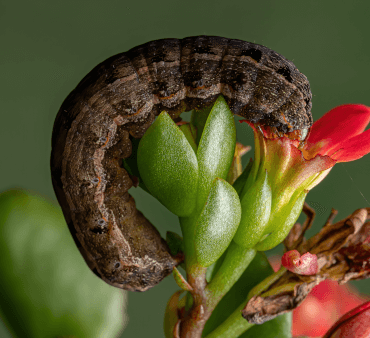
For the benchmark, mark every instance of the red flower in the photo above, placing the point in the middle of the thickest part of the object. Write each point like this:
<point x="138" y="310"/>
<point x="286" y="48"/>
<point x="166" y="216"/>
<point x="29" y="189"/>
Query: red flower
<point x="338" y="136"/>
<point x="322" y="307"/>
<point x="293" y="169"/>
<point x="354" y="324"/>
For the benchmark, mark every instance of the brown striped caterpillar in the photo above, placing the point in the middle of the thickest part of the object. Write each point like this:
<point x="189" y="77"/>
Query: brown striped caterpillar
<point x="119" y="99"/>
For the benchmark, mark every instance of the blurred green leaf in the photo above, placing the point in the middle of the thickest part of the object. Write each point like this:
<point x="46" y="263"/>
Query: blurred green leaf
<point x="46" y="288"/>
<point x="168" y="166"/>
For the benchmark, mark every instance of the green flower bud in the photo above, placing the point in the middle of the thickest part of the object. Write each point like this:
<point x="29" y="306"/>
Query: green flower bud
<point x="168" y="166"/>
<point x="256" y="209"/>
<point x="283" y="221"/>
<point x="217" y="223"/>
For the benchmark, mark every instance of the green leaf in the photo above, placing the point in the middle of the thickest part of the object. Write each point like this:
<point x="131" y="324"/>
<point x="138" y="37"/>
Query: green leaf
<point x="256" y="209"/>
<point x="180" y="280"/>
<point x="168" y="166"/>
<point x="46" y="288"/>
<point x="217" y="223"/>
<point x="216" y="148"/>
<point x="277" y="327"/>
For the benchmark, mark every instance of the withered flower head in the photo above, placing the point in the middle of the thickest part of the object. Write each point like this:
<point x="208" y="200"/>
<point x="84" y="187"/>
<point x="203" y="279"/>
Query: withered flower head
<point x="343" y="254"/>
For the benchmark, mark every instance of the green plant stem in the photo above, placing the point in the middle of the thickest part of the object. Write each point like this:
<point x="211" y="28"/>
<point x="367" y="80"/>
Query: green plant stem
<point x="192" y="325"/>
<point x="235" y="325"/>
<point x="188" y="225"/>
<point x="206" y="297"/>
<point x="236" y="261"/>
<point x="259" y="288"/>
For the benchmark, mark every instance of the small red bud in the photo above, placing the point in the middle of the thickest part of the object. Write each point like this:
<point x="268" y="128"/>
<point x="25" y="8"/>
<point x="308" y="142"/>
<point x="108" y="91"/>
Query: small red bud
<point x="301" y="265"/>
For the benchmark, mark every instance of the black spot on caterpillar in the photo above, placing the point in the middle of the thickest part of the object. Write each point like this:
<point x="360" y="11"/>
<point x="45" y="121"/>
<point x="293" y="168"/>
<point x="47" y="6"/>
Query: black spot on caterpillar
<point x="120" y="98"/>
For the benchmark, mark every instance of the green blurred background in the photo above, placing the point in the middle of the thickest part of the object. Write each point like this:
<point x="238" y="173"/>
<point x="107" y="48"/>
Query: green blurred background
<point x="46" y="47"/>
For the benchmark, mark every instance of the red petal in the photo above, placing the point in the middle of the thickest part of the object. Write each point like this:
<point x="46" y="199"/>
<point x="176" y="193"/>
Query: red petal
<point x="311" y="318"/>
<point x="354" y="324"/>
<point x="340" y="124"/>
<point x="353" y="149"/>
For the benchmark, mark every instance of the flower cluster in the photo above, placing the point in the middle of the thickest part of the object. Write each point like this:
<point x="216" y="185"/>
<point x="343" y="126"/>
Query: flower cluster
<point x="293" y="169"/>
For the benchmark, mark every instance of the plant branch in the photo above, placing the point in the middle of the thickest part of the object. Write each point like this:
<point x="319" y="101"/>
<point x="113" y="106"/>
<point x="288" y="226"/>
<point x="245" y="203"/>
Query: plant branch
<point x="192" y="325"/>
<point x="233" y="326"/>
<point x="236" y="261"/>
<point x="206" y="297"/>
<point x="193" y="322"/>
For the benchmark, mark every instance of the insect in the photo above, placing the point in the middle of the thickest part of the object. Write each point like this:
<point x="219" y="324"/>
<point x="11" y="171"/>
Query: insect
<point x="117" y="102"/>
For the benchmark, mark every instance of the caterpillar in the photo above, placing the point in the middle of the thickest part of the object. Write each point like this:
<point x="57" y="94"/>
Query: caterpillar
<point x="118" y="100"/>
